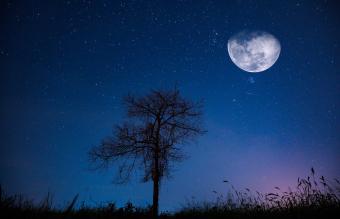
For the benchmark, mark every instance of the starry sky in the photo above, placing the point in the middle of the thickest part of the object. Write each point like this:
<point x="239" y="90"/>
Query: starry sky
<point x="65" y="66"/>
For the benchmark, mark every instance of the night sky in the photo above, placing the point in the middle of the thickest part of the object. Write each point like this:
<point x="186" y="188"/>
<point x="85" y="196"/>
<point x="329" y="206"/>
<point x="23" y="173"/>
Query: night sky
<point x="65" y="66"/>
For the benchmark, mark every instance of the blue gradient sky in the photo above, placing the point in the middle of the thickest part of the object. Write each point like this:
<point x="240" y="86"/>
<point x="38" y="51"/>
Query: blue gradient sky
<point x="66" y="64"/>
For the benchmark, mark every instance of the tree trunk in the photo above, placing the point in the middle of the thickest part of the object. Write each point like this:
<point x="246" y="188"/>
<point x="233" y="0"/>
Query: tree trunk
<point x="156" y="177"/>
<point x="155" y="185"/>
<point x="155" y="196"/>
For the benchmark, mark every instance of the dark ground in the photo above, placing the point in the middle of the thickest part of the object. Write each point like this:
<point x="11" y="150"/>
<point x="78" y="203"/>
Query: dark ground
<point x="313" y="197"/>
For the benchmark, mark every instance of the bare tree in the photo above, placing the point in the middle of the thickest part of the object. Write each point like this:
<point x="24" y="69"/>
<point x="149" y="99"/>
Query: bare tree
<point x="158" y="124"/>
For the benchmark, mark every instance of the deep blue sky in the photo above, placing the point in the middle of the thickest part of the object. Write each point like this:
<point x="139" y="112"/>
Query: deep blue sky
<point x="66" y="64"/>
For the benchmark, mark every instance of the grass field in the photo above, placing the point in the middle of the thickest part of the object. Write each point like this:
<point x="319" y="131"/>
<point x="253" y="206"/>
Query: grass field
<point x="312" y="197"/>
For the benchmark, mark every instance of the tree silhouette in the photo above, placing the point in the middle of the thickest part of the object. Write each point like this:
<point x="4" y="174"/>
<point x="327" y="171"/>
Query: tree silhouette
<point x="157" y="125"/>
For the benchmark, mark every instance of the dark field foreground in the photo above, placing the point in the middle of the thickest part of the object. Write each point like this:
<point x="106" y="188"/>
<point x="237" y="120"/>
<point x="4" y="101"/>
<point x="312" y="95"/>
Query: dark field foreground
<point x="313" y="197"/>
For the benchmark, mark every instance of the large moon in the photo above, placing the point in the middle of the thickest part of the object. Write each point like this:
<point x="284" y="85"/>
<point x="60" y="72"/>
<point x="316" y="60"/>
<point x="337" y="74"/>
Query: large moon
<point x="254" y="51"/>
